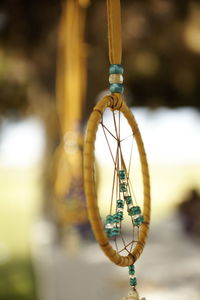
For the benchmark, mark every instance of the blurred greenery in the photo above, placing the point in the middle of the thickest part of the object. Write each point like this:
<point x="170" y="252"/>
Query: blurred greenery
<point x="17" y="280"/>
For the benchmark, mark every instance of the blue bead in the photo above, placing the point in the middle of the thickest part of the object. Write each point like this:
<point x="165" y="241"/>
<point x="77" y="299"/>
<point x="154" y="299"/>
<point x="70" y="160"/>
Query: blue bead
<point x="116" y="69"/>
<point x="116" y="88"/>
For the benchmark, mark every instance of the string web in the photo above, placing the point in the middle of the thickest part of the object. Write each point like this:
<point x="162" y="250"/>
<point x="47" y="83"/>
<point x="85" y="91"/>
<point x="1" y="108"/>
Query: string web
<point x="116" y="146"/>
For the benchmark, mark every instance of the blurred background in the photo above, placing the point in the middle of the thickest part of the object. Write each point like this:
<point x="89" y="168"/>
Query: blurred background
<point x="53" y="68"/>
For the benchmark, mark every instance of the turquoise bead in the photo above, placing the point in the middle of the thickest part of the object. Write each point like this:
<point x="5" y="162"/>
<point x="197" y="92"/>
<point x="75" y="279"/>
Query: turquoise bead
<point x="116" y="218"/>
<point x="133" y="281"/>
<point x="134" y="210"/>
<point x="131" y="267"/>
<point x="109" y="219"/>
<point x="116" y="88"/>
<point x="115" y="231"/>
<point x="131" y="270"/>
<point x="109" y="233"/>
<point x="122" y="174"/>
<point x="138" y="221"/>
<point x="120" y="215"/>
<point x="120" y="203"/>
<point x="116" y="69"/>
<point x="128" y="200"/>
<point x="122" y="187"/>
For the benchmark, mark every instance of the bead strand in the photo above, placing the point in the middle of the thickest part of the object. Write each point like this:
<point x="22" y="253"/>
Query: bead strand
<point x="116" y="78"/>
<point x="132" y="277"/>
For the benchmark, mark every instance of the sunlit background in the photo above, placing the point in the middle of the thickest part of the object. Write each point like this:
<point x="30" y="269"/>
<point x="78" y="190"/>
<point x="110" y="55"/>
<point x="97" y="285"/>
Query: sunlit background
<point x="40" y="258"/>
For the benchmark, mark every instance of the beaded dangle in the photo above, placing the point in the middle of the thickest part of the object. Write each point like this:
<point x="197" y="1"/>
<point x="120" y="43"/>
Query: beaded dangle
<point x="123" y="232"/>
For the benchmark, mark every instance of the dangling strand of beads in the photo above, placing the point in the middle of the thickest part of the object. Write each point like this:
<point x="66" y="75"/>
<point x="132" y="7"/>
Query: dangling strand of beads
<point x="113" y="222"/>
<point x="116" y="78"/>
<point x="133" y="279"/>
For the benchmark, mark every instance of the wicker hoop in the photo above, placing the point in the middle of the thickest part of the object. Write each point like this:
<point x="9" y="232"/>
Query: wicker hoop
<point x="114" y="102"/>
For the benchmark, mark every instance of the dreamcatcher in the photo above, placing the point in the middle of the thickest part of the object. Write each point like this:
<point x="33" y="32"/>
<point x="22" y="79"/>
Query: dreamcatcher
<point x="123" y="202"/>
<point x="70" y="204"/>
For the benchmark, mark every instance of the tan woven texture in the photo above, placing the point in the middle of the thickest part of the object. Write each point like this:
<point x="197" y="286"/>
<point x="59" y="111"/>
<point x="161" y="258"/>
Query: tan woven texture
<point x="114" y="31"/>
<point x="115" y="102"/>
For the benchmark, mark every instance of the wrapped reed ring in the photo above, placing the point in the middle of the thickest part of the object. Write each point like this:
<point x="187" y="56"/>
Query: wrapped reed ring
<point x="116" y="103"/>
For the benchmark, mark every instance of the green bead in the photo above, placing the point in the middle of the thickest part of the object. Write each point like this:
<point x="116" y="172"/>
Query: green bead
<point x="109" y="219"/>
<point x="109" y="233"/>
<point x="134" y="210"/>
<point x="120" y="203"/>
<point x="131" y="267"/>
<point x="116" y="69"/>
<point x="120" y="215"/>
<point x="122" y="187"/>
<point x="128" y="200"/>
<point x="133" y="281"/>
<point x="115" y="231"/>
<point x="138" y="221"/>
<point x="116" y="218"/>
<point x="131" y="270"/>
<point x="116" y="88"/>
<point x="122" y="174"/>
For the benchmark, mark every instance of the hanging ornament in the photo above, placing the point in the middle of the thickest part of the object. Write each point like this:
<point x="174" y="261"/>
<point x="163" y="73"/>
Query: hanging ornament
<point x="70" y="206"/>
<point x="124" y="207"/>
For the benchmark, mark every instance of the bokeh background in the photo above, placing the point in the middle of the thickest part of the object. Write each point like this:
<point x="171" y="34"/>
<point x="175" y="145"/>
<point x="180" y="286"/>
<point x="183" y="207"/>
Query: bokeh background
<point x="41" y="256"/>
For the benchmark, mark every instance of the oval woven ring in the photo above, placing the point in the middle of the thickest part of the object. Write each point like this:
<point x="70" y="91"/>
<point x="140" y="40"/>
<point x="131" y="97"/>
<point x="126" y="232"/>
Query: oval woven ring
<point x="114" y="102"/>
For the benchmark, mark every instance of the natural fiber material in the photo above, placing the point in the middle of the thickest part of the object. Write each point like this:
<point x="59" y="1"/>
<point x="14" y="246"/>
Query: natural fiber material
<point x="114" y="31"/>
<point x="114" y="102"/>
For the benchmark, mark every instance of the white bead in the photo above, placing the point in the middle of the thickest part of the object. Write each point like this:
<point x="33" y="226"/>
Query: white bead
<point x="116" y="78"/>
<point x="126" y="194"/>
<point x="109" y="226"/>
<point x="132" y="276"/>
<point x="119" y="209"/>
